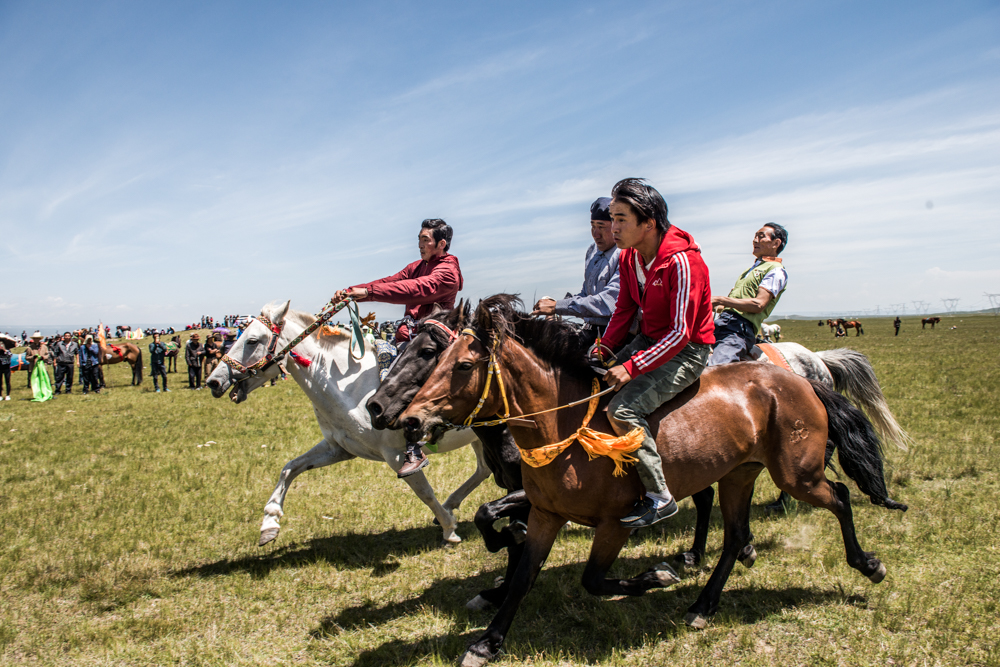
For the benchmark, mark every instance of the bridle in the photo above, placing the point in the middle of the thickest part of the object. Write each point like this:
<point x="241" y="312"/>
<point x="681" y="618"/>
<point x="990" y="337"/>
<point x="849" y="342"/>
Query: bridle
<point x="271" y="358"/>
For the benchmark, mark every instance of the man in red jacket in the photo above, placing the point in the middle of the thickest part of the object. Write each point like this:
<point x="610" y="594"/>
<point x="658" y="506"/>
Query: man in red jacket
<point x="664" y="277"/>
<point x="434" y="280"/>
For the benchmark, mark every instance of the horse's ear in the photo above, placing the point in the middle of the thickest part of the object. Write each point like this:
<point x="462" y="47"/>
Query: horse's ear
<point x="454" y="317"/>
<point x="484" y="316"/>
<point x="278" y="316"/>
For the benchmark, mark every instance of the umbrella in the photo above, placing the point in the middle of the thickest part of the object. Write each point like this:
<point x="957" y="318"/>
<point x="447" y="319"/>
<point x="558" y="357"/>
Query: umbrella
<point x="8" y="342"/>
<point x="221" y="330"/>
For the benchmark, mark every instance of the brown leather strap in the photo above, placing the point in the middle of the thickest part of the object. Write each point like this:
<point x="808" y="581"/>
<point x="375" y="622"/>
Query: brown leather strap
<point x="775" y="356"/>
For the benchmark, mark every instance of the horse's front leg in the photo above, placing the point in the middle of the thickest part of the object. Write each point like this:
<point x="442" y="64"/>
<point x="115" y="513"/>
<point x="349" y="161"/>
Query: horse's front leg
<point x="609" y="538"/>
<point x="542" y="530"/>
<point x="703" y="508"/>
<point x="481" y="473"/>
<point x="323" y="454"/>
<point x="418" y="482"/>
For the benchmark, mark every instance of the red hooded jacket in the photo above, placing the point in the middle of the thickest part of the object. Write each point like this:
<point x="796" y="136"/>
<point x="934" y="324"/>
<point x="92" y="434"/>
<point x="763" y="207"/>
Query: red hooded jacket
<point x="420" y="287"/>
<point x="676" y="303"/>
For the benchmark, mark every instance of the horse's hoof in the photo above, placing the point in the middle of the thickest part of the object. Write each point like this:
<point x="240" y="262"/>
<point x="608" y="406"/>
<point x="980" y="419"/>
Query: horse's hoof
<point x="470" y="659"/>
<point x="683" y="561"/>
<point x="666" y="575"/>
<point x="451" y="540"/>
<point x="696" y="621"/>
<point x="267" y="535"/>
<point x="878" y="575"/>
<point x="478" y="603"/>
<point x="749" y="556"/>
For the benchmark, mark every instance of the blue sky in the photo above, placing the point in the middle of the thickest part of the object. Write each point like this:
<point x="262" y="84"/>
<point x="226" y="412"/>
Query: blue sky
<point x="161" y="161"/>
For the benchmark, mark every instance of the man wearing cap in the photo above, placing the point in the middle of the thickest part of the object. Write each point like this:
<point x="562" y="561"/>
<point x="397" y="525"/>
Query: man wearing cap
<point x="157" y="362"/>
<point x="432" y="281"/>
<point x="193" y="354"/>
<point x="752" y="299"/>
<point x="90" y="359"/>
<point x="596" y="301"/>
<point x="64" y="358"/>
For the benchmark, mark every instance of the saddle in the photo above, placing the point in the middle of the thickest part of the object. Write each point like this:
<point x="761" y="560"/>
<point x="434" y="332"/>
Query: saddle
<point x="768" y="351"/>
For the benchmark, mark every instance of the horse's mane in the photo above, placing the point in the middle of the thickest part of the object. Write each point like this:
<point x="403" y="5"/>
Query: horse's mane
<point x="554" y="341"/>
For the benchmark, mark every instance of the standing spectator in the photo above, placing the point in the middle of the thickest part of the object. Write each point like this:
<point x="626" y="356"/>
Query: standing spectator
<point x="193" y="354"/>
<point x="90" y="359"/>
<point x="896" y="324"/>
<point x="37" y="352"/>
<point x="213" y="352"/>
<point x="157" y="359"/>
<point x="228" y="343"/>
<point x="4" y="371"/>
<point x="64" y="358"/>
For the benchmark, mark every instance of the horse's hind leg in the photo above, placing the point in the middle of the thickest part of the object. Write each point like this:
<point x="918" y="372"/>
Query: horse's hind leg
<point x="703" y="506"/>
<point x="323" y="454"/>
<point x="735" y="492"/>
<point x="609" y="539"/>
<point x="542" y="530"/>
<point x="836" y="497"/>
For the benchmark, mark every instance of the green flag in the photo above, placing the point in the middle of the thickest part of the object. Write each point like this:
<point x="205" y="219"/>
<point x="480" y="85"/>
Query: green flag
<point x="41" y="386"/>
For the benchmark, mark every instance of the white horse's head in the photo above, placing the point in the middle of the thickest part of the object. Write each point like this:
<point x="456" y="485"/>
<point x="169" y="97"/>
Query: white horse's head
<point x="237" y="370"/>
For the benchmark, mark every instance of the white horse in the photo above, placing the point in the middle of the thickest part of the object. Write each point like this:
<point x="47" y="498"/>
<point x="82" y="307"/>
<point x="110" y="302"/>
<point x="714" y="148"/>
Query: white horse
<point x="770" y="332"/>
<point x="338" y="386"/>
<point x="849" y="372"/>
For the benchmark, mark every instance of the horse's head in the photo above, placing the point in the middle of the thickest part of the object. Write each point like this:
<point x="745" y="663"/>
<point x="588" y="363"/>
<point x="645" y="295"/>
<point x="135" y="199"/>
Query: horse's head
<point x="455" y="388"/>
<point x="240" y="370"/>
<point x="414" y="365"/>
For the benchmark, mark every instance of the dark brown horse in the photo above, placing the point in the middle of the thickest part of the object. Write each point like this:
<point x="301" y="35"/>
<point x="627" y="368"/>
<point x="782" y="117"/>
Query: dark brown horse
<point x="117" y="353"/>
<point x="929" y="320"/>
<point x="726" y="428"/>
<point x="852" y="324"/>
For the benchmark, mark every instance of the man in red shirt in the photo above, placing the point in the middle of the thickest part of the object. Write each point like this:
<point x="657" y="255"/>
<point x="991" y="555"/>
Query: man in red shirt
<point x="664" y="277"/>
<point x="434" y="280"/>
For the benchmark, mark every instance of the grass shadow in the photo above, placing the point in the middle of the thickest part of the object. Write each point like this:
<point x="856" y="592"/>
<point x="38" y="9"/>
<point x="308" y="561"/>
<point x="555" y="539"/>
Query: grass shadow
<point x="567" y="621"/>
<point x="375" y="551"/>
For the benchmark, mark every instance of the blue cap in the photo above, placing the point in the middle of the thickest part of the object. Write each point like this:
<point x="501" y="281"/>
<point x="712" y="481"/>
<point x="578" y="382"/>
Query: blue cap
<point x="600" y="210"/>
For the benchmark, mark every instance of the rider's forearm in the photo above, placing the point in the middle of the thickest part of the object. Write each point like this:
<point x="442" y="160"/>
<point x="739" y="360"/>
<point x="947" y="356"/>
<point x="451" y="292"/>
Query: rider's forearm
<point x="743" y="305"/>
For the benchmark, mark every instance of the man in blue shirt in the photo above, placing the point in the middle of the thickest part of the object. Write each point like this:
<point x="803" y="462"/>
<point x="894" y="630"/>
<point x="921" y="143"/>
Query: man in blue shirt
<point x="596" y="301"/>
<point x="90" y="359"/>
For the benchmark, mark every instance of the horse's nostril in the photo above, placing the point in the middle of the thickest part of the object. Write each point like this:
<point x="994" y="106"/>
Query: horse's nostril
<point x="374" y="408"/>
<point x="411" y="424"/>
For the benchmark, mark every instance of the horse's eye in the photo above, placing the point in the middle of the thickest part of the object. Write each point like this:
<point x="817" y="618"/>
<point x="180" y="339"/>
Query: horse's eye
<point x="252" y="340"/>
<point x="428" y="353"/>
<point x="464" y="366"/>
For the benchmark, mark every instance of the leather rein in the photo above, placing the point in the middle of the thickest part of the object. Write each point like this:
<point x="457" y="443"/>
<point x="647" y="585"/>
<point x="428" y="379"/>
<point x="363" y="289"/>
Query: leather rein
<point x="270" y="358"/>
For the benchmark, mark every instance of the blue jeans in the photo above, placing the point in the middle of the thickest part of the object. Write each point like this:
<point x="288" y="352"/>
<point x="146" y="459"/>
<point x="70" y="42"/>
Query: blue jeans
<point x="734" y="338"/>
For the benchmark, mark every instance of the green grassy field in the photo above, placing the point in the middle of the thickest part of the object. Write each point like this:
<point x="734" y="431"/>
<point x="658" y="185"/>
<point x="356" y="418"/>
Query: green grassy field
<point x="125" y="543"/>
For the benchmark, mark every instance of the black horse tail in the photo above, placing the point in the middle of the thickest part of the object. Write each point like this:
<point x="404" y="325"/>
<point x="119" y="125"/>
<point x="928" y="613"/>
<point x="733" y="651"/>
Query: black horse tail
<point x="859" y="449"/>
<point x="137" y="368"/>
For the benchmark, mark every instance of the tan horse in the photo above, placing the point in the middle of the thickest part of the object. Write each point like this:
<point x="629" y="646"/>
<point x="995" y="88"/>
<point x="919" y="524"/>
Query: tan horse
<point x="115" y="354"/>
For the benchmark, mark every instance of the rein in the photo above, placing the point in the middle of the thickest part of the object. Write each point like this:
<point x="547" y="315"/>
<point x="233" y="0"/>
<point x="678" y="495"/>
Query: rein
<point x="270" y="357"/>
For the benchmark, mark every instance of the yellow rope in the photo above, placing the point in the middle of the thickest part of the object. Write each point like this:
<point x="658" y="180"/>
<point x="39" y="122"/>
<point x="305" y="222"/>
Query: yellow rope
<point x="618" y="448"/>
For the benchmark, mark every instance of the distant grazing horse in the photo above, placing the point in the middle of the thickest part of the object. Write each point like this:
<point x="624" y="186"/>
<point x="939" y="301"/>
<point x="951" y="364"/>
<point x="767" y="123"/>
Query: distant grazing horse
<point x="853" y="324"/>
<point x="737" y="420"/>
<point x="833" y="325"/>
<point x="338" y="386"/>
<point x="117" y="353"/>
<point x="929" y="320"/>
<point x="770" y="332"/>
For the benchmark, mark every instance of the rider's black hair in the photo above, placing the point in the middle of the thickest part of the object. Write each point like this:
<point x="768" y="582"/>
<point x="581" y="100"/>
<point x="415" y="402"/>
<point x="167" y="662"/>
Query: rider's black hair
<point x="780" y="233"/>
<point x="644" y="200"/>
<point x="440" y="230"/>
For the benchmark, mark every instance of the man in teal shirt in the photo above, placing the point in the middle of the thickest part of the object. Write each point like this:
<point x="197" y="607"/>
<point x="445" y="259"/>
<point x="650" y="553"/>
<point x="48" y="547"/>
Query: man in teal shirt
<point x="752" y="299"/>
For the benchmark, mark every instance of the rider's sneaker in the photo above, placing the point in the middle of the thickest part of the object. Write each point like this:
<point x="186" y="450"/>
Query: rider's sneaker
<point x="415" y="459"/>
<point x="648" y="511"/>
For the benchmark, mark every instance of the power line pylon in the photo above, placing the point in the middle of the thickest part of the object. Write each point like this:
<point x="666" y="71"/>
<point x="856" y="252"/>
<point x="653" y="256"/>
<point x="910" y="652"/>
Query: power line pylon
<point x="921" y="307"/>
<point x="950" y="305"/>
<point x="994" y="302"/>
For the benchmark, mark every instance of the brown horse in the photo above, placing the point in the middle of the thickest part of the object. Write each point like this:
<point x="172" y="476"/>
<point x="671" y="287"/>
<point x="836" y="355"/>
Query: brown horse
<point x="117" y="353"/>
<point x="852" y="324"/>
<point x="735" y="421"/>
<point x="929" y="320"/>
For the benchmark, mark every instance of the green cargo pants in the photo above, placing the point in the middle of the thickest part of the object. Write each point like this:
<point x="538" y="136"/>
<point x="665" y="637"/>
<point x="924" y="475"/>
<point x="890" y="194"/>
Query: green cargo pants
<point x="643" y="394"/>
